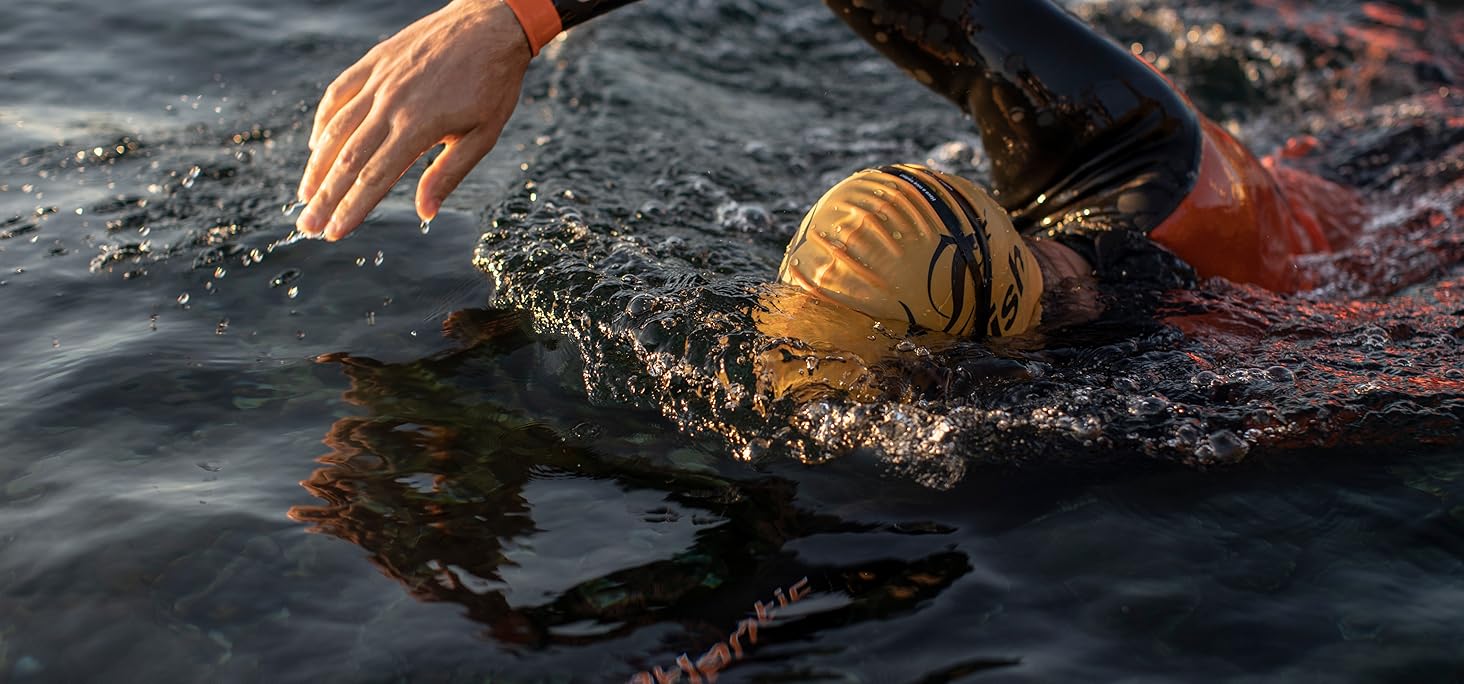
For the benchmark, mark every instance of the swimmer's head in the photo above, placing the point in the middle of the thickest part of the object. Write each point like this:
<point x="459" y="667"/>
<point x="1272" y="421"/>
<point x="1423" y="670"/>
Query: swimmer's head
<point x="913" y="245"/>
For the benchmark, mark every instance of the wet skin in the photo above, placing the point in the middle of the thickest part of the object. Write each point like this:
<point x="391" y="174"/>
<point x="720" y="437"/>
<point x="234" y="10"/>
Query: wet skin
<point x="404" y="97"/>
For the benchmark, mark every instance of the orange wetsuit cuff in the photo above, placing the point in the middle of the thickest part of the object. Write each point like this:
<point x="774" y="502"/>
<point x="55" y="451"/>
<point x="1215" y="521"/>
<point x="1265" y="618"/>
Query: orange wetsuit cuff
<point x="540" y="20"/>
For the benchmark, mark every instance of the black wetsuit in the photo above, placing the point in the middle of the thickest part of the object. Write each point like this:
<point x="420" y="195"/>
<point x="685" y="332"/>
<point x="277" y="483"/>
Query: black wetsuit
<point x="1088" y="145"/>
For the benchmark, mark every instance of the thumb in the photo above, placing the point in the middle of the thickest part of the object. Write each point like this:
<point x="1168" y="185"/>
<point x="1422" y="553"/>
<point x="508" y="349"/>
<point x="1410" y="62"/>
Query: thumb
<point x="450" y="168"/>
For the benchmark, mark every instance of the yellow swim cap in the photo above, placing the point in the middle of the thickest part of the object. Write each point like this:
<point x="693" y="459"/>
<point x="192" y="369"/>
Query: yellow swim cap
<point x="912" y="245"/>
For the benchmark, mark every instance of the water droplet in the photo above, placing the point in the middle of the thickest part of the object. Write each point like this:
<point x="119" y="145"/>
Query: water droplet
<point x="897" y="235"/>
<point x="223" y="327"/>
<point x="426" y="226"/>
<point x="219" y="272"/>
<point x="293" y="292"/>
<point x="370" y="318"/>
<point x="291" y="207"/>
<point x="183" y="299"/>
<point x="796" y="261"/>
<point x="360" y="261"/>
<point x="380" y="257"/>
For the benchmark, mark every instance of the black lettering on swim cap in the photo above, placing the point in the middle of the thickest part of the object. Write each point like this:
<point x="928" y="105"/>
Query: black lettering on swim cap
<point x="1014" y="261"/>
<point x="1009" y="303"/>
<point x="965" y="261"/>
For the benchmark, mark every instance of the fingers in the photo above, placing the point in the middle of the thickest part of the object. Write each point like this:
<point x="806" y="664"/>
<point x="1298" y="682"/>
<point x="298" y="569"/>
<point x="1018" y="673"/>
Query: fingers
<point x="392" y="160"/>
<point x="329" y="143"/>
<point x="383" y="171"/>
<point x="450" y="168"/>
<point x="345" y="172"/>
<point x="338" y="93"/>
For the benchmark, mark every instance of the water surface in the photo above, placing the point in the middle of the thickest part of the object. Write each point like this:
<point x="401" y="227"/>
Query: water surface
<point x="372" y="461"/>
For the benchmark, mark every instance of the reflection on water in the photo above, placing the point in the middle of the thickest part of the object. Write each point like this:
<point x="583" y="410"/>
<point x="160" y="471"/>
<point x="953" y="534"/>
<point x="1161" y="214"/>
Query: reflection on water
<point x="459" y="496"/>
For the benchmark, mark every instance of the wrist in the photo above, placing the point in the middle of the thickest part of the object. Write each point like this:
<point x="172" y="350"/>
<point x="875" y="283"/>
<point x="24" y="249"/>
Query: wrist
<point x="1059" y="262"/>
<point x="539" y="20"/>
<point x="1070" y="294"/>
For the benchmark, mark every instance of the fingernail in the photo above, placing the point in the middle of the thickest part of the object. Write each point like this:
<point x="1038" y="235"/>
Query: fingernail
<point x="333" y="230"/>
<point x="309" y="221"/>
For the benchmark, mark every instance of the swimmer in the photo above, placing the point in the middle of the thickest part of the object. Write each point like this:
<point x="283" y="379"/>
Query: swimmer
<point x="1101" y="169"/>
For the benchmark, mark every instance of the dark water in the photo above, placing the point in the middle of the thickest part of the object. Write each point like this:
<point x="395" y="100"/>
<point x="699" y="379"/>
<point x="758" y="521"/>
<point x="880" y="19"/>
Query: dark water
<point x="574" y="468"/>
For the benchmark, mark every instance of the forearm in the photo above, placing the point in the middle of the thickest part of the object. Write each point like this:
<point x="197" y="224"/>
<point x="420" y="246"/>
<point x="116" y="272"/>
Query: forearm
<point x="1064" y="112"/>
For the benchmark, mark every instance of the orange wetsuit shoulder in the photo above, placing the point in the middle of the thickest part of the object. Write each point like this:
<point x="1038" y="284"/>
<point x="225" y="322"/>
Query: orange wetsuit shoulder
<point x="1247" y="220"/>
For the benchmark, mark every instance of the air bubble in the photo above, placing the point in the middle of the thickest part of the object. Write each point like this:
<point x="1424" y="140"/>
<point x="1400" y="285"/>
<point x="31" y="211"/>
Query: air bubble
<point x="1148" y="406"/>
<point x="1280" y="374"/>
<point x="1223" y="446"/>
<point x="285" y="277"/>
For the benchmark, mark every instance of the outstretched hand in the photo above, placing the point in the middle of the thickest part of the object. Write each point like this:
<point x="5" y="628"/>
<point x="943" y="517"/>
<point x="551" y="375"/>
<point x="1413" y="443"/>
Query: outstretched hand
<point x="451" y="77"/>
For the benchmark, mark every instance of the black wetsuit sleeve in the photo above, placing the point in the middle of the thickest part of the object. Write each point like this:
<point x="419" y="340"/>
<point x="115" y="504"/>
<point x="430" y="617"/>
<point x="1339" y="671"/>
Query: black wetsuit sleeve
<point x="1083" y="137"/>
<point x="575" y="12"/>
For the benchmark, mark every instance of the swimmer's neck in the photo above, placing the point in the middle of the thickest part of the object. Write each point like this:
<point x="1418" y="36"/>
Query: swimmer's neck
<point x="1070" y="291"/>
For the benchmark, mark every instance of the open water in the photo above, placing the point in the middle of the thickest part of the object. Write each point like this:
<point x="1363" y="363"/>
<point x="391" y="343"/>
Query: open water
<point x="545" y="441"/>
